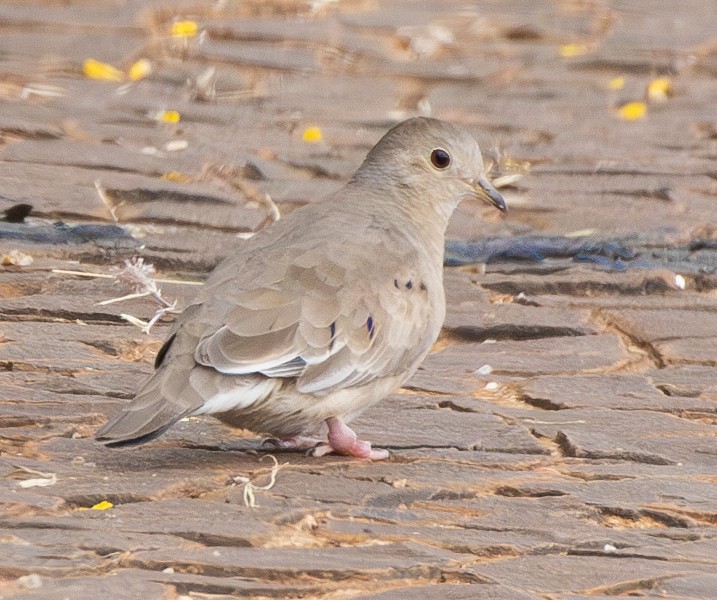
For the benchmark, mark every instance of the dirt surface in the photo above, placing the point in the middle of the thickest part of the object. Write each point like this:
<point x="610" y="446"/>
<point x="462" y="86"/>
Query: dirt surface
<point x="560" y="442"/>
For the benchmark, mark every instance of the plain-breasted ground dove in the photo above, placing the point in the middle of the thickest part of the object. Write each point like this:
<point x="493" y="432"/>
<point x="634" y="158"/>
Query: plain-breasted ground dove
<point x="324" y="313"/>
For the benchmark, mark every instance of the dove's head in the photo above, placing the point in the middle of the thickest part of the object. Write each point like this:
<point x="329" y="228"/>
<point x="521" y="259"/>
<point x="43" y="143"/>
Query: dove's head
<point x="429" y="161"/>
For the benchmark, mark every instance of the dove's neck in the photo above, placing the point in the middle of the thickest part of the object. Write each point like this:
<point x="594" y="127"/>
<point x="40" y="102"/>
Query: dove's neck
<point x="423" y="213"/>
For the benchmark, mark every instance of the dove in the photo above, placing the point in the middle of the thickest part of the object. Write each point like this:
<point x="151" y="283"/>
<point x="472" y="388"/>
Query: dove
<point x="321" y="315"/>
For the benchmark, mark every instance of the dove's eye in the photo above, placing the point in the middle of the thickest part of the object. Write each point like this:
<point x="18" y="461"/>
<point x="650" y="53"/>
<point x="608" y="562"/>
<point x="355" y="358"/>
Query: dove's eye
<point x="440" y="158"/>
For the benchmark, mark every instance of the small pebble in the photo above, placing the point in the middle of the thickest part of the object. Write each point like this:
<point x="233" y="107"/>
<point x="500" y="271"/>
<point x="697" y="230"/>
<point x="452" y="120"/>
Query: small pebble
<point x="176" y="145"/>
<point x="484" y="370"/>
<point x="30" y="582"/>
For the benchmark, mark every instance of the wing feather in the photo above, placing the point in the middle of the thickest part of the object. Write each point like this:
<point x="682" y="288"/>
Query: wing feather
<point x="321" y="326"/>
<point x="241" y="355"/>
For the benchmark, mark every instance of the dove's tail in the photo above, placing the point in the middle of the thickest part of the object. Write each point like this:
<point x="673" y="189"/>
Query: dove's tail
<point x="148" y="416"/>
<point x="134" y="427"/>
<point x="165" y="398"/>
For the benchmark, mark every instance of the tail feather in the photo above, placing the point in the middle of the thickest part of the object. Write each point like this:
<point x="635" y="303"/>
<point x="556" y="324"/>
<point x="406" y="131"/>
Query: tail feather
<point x="165" y="398"/>
<point x="137" y="425"/>
<point x="134" y="441"/>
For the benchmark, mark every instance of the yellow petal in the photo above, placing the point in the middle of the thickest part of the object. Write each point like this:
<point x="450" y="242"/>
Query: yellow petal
<point x="184" y="29"/>
<point x="616" y="84"/>
<point x="94" y="69"/>
<point x="632" y="111"/>
<point x="572" y="50"/>
<point x="168" y="116"/>
<point x="140" y="69"/>
<point x="658" y="90"/>
<point x="312" y="135"/>
<point x="177" y="177"/>
<point x="104" y="505"/>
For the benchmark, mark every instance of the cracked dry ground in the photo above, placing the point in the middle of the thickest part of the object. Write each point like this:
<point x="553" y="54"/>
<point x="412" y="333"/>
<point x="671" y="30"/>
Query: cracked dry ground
<point x="583" y="464"/>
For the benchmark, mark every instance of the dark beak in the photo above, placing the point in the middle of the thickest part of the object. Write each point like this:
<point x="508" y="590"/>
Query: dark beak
<point x="485" y="191"/>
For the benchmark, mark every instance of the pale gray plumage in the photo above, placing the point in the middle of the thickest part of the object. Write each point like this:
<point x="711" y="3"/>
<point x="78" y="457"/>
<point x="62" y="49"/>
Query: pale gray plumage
<point x="325" y="312"/>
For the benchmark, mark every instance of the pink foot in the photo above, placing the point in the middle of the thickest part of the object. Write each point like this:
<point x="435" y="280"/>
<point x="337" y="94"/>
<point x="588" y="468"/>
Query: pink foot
<point x="343" y="440"/>
<point x="297" y="442"/>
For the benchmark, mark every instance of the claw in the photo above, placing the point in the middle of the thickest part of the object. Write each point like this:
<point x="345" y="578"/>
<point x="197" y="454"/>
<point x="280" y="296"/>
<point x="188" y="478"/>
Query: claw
<point x="298" y="442"/>
<point x="343" y="440"/>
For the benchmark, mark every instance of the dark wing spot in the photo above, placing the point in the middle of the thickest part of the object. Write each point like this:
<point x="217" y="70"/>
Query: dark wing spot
<point x="370" y="327"/>
<point x="159" y="359"/>
<point x="409" y="284"/>
<point x="332" y="329"/>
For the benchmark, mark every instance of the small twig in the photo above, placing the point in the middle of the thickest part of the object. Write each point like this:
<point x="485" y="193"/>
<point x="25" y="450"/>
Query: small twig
<point x="83" y="274"/>
<point x="106" y="276"/>
<point x="145" y="326"/>
<point x="44" y="479"/>
<point x="250" y="488"/>
<point x="506" y="180"/>
<point x="134" y="321"/>
<point x="139" y="275"/>
<point x="33" y="471"/>
<point x="158" y="315"/>
<point x="121" y="298"/>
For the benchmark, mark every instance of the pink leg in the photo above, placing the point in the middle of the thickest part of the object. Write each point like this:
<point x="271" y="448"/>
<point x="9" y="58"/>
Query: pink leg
<point x="343" y="440"/>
